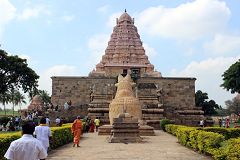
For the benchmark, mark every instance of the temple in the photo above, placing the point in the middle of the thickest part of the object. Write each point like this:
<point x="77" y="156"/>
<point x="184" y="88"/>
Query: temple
<point x="159" y="97"/>
<point x="125" y="53"/>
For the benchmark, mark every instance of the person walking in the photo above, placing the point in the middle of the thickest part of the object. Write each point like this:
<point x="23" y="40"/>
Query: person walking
<point x="58" y="121"/>
<point x="47" y="121"/>
<point x="202" y="123"/>
<point x="97" y="123"/>
<point x="43" y="133"/>
<point x="27" y="147"/>
<point x="76" y="131"/>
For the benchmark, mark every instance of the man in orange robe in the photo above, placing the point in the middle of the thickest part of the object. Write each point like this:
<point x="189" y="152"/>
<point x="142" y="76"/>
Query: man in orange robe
<point x="76" y="131"/>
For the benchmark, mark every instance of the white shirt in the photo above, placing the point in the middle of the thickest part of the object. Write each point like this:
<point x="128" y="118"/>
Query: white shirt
<point x="26" y="148"/>
<point x="48" y="121"/>
<point x="42" y="134"/>
<point x="58" y="120"/>
<point x="66" y="106"/>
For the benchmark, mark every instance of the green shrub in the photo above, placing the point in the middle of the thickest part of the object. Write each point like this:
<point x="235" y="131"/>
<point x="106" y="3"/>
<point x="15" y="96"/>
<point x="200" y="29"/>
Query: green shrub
<point x="226" y="132"/>
<point x="60" y="136"/>
<point x="183" y="135"/>
<point x="193" y="139"/>
<point x="163" y="123"/>
<point x="172" y="128"/>
<point x="5" y="141"/>
<point x="229" y="150"/>
<point x="4" y="120"/>
<point x="208" y="142"/>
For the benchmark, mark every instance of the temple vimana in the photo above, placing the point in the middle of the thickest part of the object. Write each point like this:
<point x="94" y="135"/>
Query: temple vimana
<point x="160" y="97"/>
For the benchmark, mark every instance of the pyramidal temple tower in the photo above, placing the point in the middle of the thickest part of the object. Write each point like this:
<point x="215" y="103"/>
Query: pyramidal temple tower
<point x="159" y="97"/>
<point x="125" y="53"/>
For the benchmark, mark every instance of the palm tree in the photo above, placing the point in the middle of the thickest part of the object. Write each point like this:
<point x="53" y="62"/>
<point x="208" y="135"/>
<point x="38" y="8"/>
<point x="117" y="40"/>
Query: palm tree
<point x="19" y="99"/>
<point x="45" y="97"/>
<point x="5" y="99"/>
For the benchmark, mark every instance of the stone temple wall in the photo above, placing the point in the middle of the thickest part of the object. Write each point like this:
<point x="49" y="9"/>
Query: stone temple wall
<point x="78" y="89"/>
<point x="177" y="96"/>
<point x="179" y="93"/>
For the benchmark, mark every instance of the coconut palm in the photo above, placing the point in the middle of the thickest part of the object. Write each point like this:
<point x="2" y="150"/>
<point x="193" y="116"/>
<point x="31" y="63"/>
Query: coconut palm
<point x="19" y="99"/>
<point x="5" y="99"/>
<point x="45" y="97"/>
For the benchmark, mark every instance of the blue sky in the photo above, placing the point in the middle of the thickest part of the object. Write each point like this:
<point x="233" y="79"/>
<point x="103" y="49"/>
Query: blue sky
<point x="183" y="38"/>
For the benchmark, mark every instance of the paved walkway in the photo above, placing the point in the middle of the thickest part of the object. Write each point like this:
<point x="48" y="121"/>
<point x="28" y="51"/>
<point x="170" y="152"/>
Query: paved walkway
<point x="163" y="146"/>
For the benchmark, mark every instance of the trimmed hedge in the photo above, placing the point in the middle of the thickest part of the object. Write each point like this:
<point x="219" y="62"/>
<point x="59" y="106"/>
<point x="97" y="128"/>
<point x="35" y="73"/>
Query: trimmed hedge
<point x="5" y="141"/>
<point x="226" y="132"/>
<point x="183" y="135"/>
<point x="60" y="136"/>
<point x="230" y="149"/>
<point x="172" y="128"/>
<point x="163" y="123"/>
<point x="209" y="140"/>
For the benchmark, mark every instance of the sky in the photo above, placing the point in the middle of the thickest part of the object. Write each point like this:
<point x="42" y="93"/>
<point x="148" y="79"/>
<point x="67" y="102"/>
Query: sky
<point x="182" y="38"/>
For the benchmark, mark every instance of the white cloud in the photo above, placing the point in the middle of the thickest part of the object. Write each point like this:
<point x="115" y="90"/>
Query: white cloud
<point x="112" y="19"/>
<point x="7" y="13"/>
<point x="68" y="18"/>
<point x="209" y="76"/>
<point x="224" y="44"/>
<point x="45" y="81"/>
<point x="23" y="56"/>
<point x="103" y="9"/>
<point x="149" y="51"/>
<point x="97" y="45"/>
<point x="33" y="12"/>
<point x="188" y="21"/>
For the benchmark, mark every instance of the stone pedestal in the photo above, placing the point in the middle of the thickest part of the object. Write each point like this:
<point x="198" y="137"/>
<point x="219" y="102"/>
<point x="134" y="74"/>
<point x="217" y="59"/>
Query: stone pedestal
<point x="105" y="130"/>
<point x="144" y="130"/>
<point x="125" y="130"/>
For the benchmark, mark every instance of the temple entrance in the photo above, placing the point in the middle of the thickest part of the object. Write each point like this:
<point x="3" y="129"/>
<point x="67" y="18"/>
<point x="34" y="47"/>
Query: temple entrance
<point x="135" y="73"/>
<point x="125" y="71"/>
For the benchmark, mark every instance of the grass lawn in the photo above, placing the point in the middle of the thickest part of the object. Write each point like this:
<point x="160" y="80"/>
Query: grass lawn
<point x="9" y="113"/>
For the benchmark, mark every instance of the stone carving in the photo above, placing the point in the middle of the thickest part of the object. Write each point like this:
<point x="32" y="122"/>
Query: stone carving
<point x="160" y="95"/>
<point x="125" y="101"/>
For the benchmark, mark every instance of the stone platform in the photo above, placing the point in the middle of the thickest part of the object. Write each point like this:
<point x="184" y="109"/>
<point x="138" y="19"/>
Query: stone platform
<point x="144" y="130"/>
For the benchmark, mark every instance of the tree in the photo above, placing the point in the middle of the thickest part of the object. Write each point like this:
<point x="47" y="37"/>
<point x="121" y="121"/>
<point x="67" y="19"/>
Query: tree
<point x="17" y="99"/>
<point x="5" y="99"/>
<point x="15" y="74"/>
<point x="200" y="98"/>
<point x="45" y="97"/>
<point x="231" y="78"/>
<point x="209" y="107"/>
<point x="233" y="106"/>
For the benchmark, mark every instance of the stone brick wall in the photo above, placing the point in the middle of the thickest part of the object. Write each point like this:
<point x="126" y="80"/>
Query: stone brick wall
<point x="78" y="89"/>
<point x="178" y="95"/>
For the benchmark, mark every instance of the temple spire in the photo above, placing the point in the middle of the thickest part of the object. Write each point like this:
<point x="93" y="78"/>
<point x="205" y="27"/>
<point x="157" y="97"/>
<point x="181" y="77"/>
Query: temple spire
<point x="125" y="52"/>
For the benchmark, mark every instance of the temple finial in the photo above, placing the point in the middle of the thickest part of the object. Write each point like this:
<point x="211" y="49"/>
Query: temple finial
<point x="125" y="11"/>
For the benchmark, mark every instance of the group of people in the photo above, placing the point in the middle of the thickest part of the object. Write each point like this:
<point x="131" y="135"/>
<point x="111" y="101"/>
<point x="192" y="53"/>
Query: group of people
<point x="28" y="147"/>
<point x="77" y="128"/>
<point x="12" y="124"/>
<point x="34" y="142"/>
<point x="224" y="122"/>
